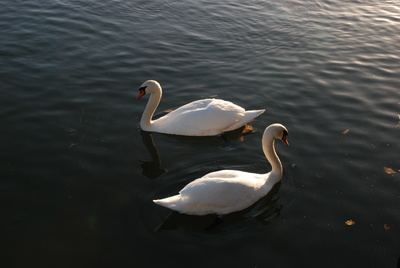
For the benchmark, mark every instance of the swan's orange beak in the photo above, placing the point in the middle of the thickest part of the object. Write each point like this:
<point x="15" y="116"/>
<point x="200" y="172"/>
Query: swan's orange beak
<point x="142" y="92"/>
<point x="285" y="140"/>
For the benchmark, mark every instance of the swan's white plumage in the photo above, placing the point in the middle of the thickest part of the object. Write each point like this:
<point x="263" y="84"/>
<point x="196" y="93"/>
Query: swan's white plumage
<point x="225" y="191"/>
<point x="207" y="117"/>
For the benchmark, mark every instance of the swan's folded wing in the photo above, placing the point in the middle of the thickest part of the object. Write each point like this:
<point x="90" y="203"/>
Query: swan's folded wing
<point x="218" y="194"/>
<point x="208" y="114"/>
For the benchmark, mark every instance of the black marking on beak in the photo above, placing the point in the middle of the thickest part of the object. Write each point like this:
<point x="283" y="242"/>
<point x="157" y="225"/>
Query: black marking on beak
<point x="284" y="138"/>
<point x="142" y="92"/>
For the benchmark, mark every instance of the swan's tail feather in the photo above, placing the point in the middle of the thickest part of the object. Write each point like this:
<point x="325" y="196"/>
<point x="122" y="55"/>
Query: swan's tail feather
<point x="172" y="202"/>
<point x="248" y="117"/>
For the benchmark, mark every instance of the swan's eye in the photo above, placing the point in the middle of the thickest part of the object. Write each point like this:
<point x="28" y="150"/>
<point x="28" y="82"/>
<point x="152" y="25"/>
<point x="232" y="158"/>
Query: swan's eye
<point x="142" y="89"/>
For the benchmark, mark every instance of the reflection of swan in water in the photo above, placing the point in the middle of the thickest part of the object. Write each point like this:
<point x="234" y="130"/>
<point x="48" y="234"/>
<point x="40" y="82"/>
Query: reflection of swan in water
<point x="265" y="211"/>
<point x="151" y="169"/>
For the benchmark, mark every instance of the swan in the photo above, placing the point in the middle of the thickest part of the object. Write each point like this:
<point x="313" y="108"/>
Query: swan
<point x="207" y="117"/>
<point x="226" y="191"/>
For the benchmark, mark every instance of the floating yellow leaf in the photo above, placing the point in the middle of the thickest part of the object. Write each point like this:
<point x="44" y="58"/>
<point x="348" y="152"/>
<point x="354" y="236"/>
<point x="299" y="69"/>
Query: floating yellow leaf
<point x="389" y="170"/>
<point x="386" y="227"/>
<point x="247" y="128"/>
<point x="346" y="131"/>
<point x="168" y="111"/>
<point x="350" y="222"/>
<point x="241" y="138"/>
<point x="213" y="96"/>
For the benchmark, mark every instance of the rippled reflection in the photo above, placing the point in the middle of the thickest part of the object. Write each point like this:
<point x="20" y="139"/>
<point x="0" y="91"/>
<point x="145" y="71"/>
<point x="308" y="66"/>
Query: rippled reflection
<point x="151" y="169"/>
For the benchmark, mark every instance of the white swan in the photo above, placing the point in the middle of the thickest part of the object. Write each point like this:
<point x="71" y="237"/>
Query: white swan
<point x="225" y="191"/>
<point x="207" y="117"/>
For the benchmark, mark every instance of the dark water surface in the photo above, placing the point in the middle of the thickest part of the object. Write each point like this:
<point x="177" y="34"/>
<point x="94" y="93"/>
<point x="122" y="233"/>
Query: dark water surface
<point x="78" y="176"/>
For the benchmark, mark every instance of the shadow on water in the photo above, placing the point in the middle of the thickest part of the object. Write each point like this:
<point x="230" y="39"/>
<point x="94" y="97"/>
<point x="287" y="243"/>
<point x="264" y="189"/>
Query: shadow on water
<point x="152" y="168"/>
<point x="265" y="211"/>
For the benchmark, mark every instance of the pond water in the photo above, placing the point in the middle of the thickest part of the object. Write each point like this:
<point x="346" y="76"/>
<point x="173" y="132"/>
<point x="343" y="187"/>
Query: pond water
<point x="78" y="176"/>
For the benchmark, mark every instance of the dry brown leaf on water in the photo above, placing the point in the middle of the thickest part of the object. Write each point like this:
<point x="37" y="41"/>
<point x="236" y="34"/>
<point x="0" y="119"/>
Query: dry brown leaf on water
<point x="213" y="96"/>
<point x="388" y="170"/>
<point x="168" y="111"/>
<point x="247" y="128"/>
<point x="350" y="222"/>
<point x="386" y="227"/>
<point x="346" y="131"/>
<point x="241" y="138"/>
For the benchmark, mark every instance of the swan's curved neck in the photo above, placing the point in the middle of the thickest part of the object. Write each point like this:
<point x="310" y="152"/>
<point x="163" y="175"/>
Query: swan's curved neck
<point x="273" y="159"/>
<point x="151" y="107"/>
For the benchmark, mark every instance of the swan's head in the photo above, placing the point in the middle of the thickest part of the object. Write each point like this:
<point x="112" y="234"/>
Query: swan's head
<point x="149" y="87"/>
<point x="278" y="131"/>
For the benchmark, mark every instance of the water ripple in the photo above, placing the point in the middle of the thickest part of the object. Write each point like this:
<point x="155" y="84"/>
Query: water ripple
<point x="328" y="70"/>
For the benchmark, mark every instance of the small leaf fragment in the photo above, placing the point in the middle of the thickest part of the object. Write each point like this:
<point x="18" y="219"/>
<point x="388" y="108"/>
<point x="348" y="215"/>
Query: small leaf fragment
<point x="388" y="170"/>
<point x="350" y="222"/>
<point x="386" y="227"/>
<point x="346" y="131"/>
<point x="247" y="128"/>
<point x="213" y="96"/>
<point x="168" y="111"/>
